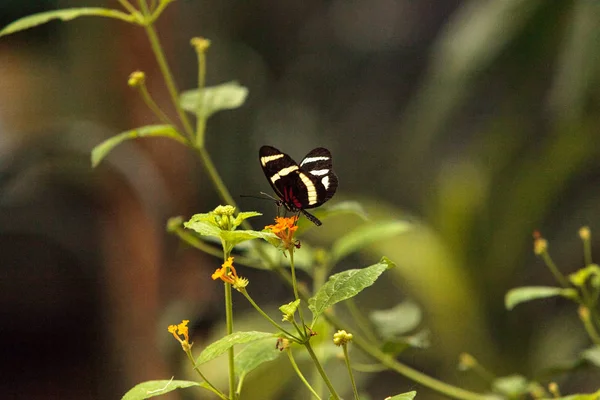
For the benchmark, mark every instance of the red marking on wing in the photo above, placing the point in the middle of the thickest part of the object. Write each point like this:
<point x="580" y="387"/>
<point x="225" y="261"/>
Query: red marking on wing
<point x="289" y="197"/>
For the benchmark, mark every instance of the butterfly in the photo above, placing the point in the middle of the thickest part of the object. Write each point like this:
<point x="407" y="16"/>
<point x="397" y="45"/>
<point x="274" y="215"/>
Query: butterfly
<point x="300" y="186"/>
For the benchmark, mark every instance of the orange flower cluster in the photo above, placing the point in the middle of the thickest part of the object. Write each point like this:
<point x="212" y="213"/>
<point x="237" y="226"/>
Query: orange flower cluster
<point x="180" y="332"/>
<point x="227" y="273"/>
<point x="285" y="228"/>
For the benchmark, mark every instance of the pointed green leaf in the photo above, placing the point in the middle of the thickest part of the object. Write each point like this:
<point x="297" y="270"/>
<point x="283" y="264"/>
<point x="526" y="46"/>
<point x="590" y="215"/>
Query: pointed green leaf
<point x="245" y="215"/>
<point x="345" y="285"/>
<point x="365" y="235"/>
<point x="403" y="396"/>
<point x="101" y="150"/>
<point x="592" y="355"/>
<point x="148" y="389"/>
<point x="254" y="354"/>
<point x="226" y="96"/>
<point x="528" y="293"/>
<point x="65" y="15"/>
<point x="222" y="345"/>
<point x="398" y="320"/>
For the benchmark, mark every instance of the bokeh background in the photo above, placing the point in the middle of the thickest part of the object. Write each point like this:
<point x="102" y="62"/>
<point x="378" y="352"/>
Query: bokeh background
<point x="475" y="120"/>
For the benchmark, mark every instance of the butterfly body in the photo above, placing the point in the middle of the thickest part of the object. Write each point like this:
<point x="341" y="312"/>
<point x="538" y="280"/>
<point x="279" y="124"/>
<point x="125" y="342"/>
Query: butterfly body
<point x="300" y="186"/>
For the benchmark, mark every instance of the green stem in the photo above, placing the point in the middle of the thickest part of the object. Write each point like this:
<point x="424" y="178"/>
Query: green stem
<point x="299" y="373"/>
<point x="347" y="359"/>
<point x="587" y="251"/>
<point x="261" y="312"/>
<point x="165" y="70"/>
<point x="200" y="115"/>
<point x="154" y="107"/>
<point x="321" y="371"/>
<point x="157" y="11"/>
<point x="128" y="6"/>
<point x="296" y="295"/>
<point x="229" y="323"/>
<point x="412" y="374"/>
<point x="216" y="180"/>
<point x="554" y="269"/>
<point x="211" y="387"/>
<point x="404" y="370"/>
<point x="584" y="314"/>
<point x="361" y="321"/>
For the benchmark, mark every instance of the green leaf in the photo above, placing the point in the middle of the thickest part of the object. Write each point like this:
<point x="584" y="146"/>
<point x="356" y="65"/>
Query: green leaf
<point x="592" y="355"/>
<point x="403" y="396"/>
<point x="289" y="310"/>
<point x="345" y="285"/>
<point x="148" y="389"/>
<point x="396" y="346"/>
<point x="398" y="320"/>
<point x="203" y="225"/>
<point x="512" y="386"/>
<point x="324" y="212"/>
<point x="581" y="396"/>
<point x="100" y="151"/>
<point x="222" y="345"/>
<point x="244" y="216"/>
<point x="254" y="354"/>
<point x="66" y="14"/>
<point x="365" y="235"/>
<point x="226" y="96"/>
<point x="235" y="237"/>
<point x="527" y="293"/>
<point x="579" y="277"/>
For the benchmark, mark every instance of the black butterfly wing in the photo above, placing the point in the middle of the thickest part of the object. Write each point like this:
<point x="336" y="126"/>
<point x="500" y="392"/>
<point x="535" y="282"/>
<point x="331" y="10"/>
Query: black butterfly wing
<point x="318" y="168"/>
<point x="282" y="173"/>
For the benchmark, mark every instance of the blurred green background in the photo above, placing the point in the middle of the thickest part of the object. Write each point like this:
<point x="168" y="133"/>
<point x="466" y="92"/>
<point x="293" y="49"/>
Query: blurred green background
<point x="476" y="120"/>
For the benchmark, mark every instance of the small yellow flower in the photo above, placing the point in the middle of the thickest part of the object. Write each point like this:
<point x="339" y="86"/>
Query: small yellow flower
<point x="180" y="332"/>
<point x="585" y="233"/>
<point x="227" y="273"/>
<point x="200" y="44"/>
<point x="136" y="79"/>
<point x="466" y="362"/>
<point x="285" y="228"/>
<point x="341" y="338"/>
<point x="540" y="245"/>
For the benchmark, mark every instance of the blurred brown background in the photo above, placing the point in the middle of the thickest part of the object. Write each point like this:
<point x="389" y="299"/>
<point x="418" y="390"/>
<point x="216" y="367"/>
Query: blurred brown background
<point x="477" y="120"/>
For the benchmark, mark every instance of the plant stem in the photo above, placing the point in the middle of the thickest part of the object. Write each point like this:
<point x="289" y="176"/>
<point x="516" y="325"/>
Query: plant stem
<point x="361" y="321"/>
<point x="200" y="114"/>
<point x="296" y="295"/>
<point x="554" y="269"/>
<point x="197" y="369"/>
<point x="229" y="323"/>
<point x="154" y="107"/>
<point x="404" y="370"/>
<point x="261" y="312"/>
<point x="412" y="374"/>
<point x="299" y="373"/>
<point x="216" y="180"/>
<point x="347" y="359"/>
<point x="165" y="70"/>
<point x="127" y="5"/>
<point x="321" y="371"/>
